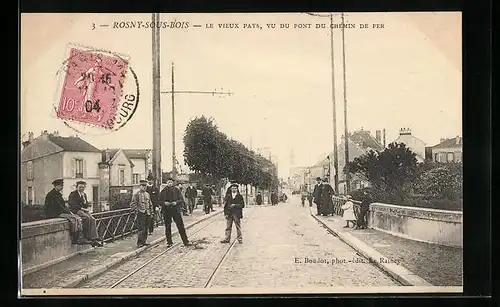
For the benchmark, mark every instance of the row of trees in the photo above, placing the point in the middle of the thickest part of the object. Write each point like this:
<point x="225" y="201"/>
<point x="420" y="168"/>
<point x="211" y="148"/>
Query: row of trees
<point x="210" y="152"/>
<point x="396" y="176"/>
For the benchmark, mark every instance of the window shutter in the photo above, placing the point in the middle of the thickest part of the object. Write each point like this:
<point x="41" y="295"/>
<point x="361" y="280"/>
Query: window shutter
<point x="33" y="195"/>
<point x="73" y="168"/>
<point x="84" y="165"/>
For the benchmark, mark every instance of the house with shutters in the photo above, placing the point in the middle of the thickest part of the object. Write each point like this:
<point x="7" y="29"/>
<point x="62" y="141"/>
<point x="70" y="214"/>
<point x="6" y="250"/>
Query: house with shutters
<point x="51" y="156"/>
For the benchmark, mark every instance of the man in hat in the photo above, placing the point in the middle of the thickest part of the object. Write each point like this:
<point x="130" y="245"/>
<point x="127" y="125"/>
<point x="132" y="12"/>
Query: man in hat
<point x="154" y="193"/>
<point x="233" y="211"/>
<point x="207" y="193"/>
<point x="170" y="198"/>
<point x="317" y="195"/>
<point x="362" y="221"/>
<point x="142" y="205"/>
<point x="327" y="193"/>
<point x="191" y="194"/>
<point x="55" y="206"/>
<point x="78" y="204"/>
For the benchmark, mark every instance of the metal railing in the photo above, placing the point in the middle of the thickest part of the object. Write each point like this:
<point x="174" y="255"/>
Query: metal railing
<point x="338" y="202"/>
<point x="112" y="225"/>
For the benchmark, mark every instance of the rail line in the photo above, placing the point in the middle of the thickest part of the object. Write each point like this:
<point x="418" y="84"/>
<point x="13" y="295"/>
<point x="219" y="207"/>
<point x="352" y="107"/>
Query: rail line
<point x="212" y="276"/>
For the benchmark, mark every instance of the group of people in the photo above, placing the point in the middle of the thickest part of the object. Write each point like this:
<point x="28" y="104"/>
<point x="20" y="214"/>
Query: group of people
<point x="83" y="225"/>
<point x="322" y="197"/>
<point x="273" y="198"/>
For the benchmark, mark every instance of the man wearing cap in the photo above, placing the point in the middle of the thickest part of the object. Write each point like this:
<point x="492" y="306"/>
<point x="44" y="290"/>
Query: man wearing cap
<point x="317" y="195"/>
<point x="170" y="198"/>
<point x="233" y="211"/>
<point x="154" y="193"/>
<point x="78" y="204"/>
<point x="141" y="204"/>
<point x="55" y="206"/>
<point x="207" y="193"/>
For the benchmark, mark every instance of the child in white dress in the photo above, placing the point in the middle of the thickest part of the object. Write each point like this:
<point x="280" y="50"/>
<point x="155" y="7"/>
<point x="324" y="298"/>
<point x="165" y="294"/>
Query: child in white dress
<point x="348" y="215"/>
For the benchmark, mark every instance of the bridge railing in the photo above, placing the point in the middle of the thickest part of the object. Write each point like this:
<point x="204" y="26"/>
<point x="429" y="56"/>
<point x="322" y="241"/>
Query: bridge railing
<point x="338" y="202"/>
<point x="112" y="225"/>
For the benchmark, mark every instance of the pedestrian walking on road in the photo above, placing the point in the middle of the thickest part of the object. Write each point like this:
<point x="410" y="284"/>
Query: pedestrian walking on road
<point x="233" y="211"/>
<point x="154" y="193"/>
<point x="327" y="194"/>
<point x="317" y="195"/>
<point x="191" y="194"/>
<point x="79" y="205"/>
<point x="55" y="206"/>
<point x="142" y="205"/>
<point x="310" y="199"/>
<point x="348" y="215"/>
<point x="258" y="199"/>
<point x="207" y="199"/>
<point x="171" y="198"/>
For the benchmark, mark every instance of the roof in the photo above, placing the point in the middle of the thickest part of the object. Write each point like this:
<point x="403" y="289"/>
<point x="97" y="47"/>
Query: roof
<point x="137" y="153"/>
<point x="365" y="140"/>
<point x="72" y="143"/>
<point x="449" y="143"/>
<point x="129" y="154"/>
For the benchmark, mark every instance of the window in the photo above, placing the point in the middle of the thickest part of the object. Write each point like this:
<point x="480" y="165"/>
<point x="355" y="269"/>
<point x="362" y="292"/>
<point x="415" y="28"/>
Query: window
<point x="30" y="196"/>
<point x="458" y="157"/>
<point x="436" y="157"/>
<point x="442" y="157"/>
<point x="78" y="168"/>
<point x="450" y="157"/>
<point x="29" y="170"/>
<point x="135" y="179"/>
<point x="122" y="177"/>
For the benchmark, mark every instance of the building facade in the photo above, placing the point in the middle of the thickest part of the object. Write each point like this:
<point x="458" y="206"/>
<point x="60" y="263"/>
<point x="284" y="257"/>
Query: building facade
<point x="415" y="144"/>
<point x="49" y="157"/>
<point x="448" y="150"/>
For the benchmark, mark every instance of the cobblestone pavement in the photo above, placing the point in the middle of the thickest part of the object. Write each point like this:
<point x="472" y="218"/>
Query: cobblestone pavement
<point x="285" y="248"/>
<point x="56" y="275"/>
<point x="440" y="265"/>
<point x="179" y="267"/>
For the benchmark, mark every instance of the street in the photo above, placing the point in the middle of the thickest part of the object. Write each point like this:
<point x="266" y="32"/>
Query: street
<point x="283" y="247"/>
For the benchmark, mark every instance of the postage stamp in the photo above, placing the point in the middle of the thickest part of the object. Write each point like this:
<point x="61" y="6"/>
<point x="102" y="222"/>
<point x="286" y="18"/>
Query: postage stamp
<point x="93" y="89"/>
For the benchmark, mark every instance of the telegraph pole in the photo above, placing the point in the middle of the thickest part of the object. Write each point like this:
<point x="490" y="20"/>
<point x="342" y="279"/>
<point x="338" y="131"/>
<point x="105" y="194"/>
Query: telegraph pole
<point x="157" y="174"/>
<point x="347" y="174"/>
<point x="173" y="92"/>
<point x="334" y="111"/>
<point x="335" y="154"/>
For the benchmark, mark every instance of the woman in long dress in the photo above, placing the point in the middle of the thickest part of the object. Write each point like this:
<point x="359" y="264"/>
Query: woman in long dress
<point x="348" y="215"/>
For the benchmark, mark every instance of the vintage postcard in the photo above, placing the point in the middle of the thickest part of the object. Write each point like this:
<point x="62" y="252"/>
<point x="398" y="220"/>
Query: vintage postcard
<point x="241" y="153"/>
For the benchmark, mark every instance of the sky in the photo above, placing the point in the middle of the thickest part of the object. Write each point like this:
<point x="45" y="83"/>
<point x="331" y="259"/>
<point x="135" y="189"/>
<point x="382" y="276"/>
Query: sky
<point x="406" y="74"/>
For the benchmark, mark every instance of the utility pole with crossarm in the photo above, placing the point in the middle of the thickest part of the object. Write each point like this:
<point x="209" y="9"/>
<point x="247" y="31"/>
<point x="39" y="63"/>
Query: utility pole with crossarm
<point x="172" y="93"/>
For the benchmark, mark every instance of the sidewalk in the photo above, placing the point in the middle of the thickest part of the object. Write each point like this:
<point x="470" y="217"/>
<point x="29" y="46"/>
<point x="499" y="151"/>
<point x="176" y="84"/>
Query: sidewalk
<point x="69" y="273"/>
<point x="424" y="262"/>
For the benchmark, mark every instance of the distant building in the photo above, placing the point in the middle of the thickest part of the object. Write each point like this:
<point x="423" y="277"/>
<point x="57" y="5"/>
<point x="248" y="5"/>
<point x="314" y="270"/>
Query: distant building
<point x="415" y="144"/>
<point x="49" y="157"/>
<point x="448" y="150"/>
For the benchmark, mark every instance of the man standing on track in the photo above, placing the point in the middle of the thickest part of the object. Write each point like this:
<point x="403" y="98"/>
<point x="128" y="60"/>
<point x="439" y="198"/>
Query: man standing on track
<point x="170" y="198"/>
<point x="142" y="205"/>
<point x="233" y="211"/>
<point x="154" y="193"/>
<point x="207" y="199"/>
<point x="191" y="194"/>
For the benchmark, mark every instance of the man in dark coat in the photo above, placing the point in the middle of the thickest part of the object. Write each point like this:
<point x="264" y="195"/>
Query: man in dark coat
<point x="327" y="193"/>
<point x="233" y="211"/>
<point x="142" y="205"/>
<point x="274" y="198"/>
<point x="191" y="195"/>
<point x="55" y="206"/>
<point x="78" y="204"/>
<point x="317" y="195"/>
<point x="258" y="199"/>
<point x="154" y="194"/>
<point x="207" y="199"/>
<point x="171" y="198"/>
<point x="362" y="222"/>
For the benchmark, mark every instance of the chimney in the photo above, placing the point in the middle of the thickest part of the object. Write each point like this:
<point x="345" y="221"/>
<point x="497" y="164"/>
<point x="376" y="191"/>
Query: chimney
<point x="404" y="131"/>
<point x="378" y="136"/>
<point x="457" y="140"/>
<point x="31" y="136"/>
<point x="383" y="135"/>
<point x="441" y="140"/>
<point x="55" y="133"/>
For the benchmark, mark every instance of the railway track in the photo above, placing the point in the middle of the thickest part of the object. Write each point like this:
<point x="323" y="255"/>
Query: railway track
<point x="165" y="268"/>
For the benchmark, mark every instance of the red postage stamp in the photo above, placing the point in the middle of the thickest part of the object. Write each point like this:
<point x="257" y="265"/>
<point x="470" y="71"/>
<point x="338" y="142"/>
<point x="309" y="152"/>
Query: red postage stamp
<point x="92" y="87"/>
